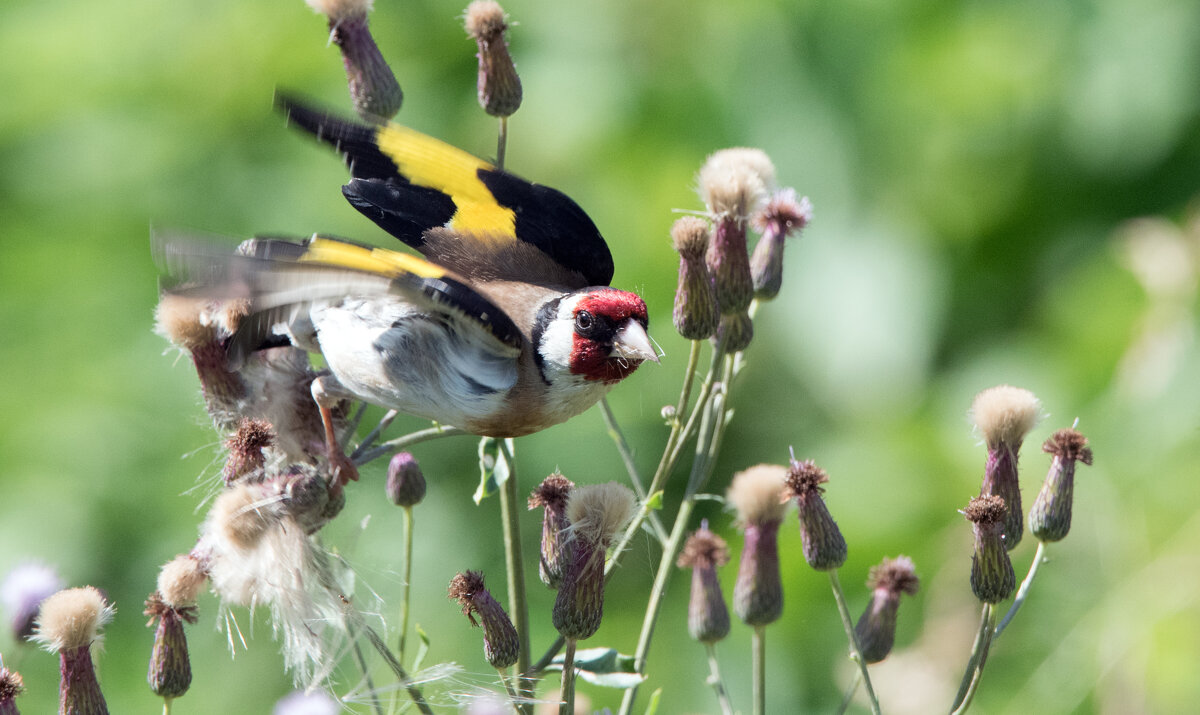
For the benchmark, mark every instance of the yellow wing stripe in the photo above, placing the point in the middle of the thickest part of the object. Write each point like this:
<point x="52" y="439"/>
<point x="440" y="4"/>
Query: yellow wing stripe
<point x="372" y="260"/>
<point x="434" y="164"/>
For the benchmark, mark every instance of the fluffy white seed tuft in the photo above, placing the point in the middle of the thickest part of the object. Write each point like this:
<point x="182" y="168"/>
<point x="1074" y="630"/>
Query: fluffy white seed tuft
<point x="1005" y="414"/>
<point x="341" y="9"/>
<point x="72" y="618"/>
<point x="180" y="580"/>
<point x="735" y="182"/>
<point x="757" y="494"/>
<point x="598" y="511"/>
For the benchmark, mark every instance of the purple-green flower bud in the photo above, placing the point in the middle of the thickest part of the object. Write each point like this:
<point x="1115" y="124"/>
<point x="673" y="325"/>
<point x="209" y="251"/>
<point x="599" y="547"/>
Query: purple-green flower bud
<point x="501" y="644"/>
<point x="824" y="546"/>
<point x="992" y="576"/>
<point x="1004" y="415"/>
<point x="11" y="686"/>
<point x="405" y="481"/>
<point x="499" y="84"/>
<point x="696" y="311"/>
<point x="876" y="628"/>
<point x="552" y="495"/>
<point x="1050" y="517"/>
<point x="757" y="495"/>
<point x="170" y="672"/>
<point x="708" y="618"/>
<point x="782" y="215"/>
<point x="734" y="332"/>
<point x="373" y="88"/>
<point x="596" y="513"/>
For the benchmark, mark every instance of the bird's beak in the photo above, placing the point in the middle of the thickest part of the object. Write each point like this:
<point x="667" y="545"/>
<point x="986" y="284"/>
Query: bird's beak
<point x="632" y="343"/>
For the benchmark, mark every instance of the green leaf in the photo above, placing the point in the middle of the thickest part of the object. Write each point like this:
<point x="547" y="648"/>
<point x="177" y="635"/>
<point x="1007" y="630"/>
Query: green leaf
<point x="493" y="468"/>
<point x="655" y="501"/>
<point x="603" y="666"/>
<point x="655" y="698"/>
<point x="424" y="649"/>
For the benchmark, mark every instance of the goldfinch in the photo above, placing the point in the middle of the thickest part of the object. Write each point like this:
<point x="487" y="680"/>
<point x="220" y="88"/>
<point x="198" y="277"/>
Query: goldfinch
<point x="507" y="326"/>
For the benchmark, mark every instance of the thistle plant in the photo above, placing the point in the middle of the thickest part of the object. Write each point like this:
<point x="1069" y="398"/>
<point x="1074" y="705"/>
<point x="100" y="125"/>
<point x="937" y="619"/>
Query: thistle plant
<point x="262" y="542"/>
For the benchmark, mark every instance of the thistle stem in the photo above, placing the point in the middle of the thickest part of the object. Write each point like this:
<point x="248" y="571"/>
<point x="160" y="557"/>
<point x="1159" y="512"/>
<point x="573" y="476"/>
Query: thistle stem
<point x="501" y="142"/>
<point x="970" y="680"/>
<point x="167" y="706"/>
<point x="362" y="663"/>
<point x="759" y="667"/>
<point x="384" y="423"/>
<point x="513" y="697"/>
<point x="618" y="437"/>
<point x="567" y="704"/>
<point x="1023" y="591"/>
<point x="406" y="586"/>
<point x="716" y="681"/>
<point x="510" y="515"/>
<point x="850" y="691"/>
<point x="405" y="441"/>
<point x="855" y="650"/>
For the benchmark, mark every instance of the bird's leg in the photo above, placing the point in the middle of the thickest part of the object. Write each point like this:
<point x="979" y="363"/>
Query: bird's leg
<point x="341" y="467"/>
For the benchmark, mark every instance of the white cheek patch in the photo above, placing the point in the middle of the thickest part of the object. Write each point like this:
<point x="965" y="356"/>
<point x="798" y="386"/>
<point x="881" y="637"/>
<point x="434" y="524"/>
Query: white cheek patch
<point x="558" y="340"/>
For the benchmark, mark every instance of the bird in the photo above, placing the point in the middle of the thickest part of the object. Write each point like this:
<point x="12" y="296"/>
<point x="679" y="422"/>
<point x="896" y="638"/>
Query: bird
<point x="504" y="326"/>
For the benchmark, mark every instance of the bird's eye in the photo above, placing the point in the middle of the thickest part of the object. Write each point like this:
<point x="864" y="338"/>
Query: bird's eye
<point x="584" y="321"/>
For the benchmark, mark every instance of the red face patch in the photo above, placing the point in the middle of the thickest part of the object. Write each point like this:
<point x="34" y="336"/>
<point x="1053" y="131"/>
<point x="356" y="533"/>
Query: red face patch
<point x="598" y="317"/>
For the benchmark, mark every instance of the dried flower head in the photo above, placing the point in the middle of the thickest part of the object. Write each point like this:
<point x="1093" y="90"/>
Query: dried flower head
<point x="876" y="628"/>
<point x="501" y="643"/>
<point x="180" y="581"/>
<point x="1004" y="415"/>
<point x="1050" y="517"/>
<point x="194" y="326"/>
<point x="11" y="686"/>
<point x="783" y="215"/>
<point x="824" y="546"/>
<point x="23" y="590"/>
<point x="756" y="494"/>
<point x="170" y="672"/>
<point x="373" y="87"/>
<point x="405" y="481"/>
<point x="733" y="184"/>
<point x="255" y="545"/>
<point x="68" y="623"/>
<point x="246" y="449"/>
<point x="696" y="311"/>
<point x="992" y="576"/>
<point x="552" y="496"/>
<point x="72" y="618"/>
<point x="596" y="513"/>
<point x="704" y="552"/>
<point x="499" y="84"/>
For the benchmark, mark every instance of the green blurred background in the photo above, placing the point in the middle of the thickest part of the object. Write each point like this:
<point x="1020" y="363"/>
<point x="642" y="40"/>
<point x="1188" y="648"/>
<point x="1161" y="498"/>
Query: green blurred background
<point x="974" y="168"/>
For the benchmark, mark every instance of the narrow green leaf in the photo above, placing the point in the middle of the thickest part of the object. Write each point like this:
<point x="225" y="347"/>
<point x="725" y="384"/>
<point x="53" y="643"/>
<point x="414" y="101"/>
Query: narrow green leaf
<point x="655" y="501"/>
